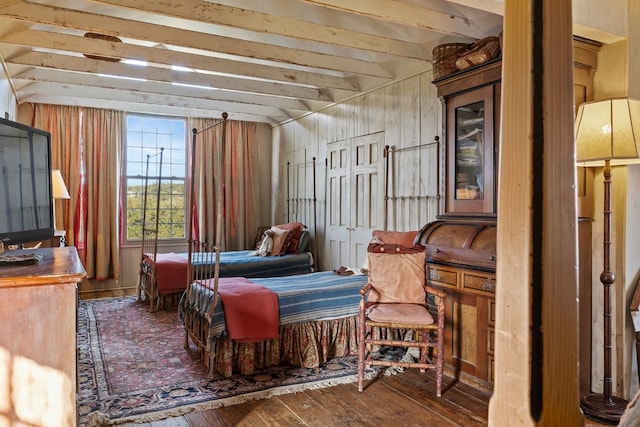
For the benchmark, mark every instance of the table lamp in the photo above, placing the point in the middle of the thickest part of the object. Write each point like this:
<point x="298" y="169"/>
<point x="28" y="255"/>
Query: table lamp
<point x="59" y="190"/>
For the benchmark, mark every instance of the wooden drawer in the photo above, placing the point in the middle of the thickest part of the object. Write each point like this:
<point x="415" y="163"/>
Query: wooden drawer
<point x="442" y="275"/>
<point x="491" y="340"/>
<point x="492" y="313"/>
<point x="485" y="282"/>
<point x="492" y="371"/>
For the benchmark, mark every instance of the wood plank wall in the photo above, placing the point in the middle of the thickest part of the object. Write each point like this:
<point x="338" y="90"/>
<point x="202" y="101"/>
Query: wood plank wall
<point x="408" y="117"/>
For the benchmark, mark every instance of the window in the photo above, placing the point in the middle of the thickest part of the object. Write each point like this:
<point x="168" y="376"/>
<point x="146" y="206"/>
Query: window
<point x="149" y="140"/>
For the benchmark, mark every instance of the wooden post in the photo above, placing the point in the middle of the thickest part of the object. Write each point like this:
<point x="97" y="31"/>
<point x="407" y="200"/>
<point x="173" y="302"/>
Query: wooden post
<point x="536" y="361"/>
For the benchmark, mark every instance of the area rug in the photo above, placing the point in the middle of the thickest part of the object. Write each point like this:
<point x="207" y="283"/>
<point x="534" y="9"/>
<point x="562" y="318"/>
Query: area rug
<point x="132" y="367"/>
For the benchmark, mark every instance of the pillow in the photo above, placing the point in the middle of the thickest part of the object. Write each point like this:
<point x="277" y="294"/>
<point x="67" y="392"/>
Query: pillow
<point x="281" y="241"/>
<point x="303" y="242"/>
<point x="397" y="274"/>
<point x="295" y="228"/>
<point x="403" y="238"/>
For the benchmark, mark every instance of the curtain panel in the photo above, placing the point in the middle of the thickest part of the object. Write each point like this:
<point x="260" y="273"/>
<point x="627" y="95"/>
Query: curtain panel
<point x="86" y="146"/>
<point x="240" y="198"/>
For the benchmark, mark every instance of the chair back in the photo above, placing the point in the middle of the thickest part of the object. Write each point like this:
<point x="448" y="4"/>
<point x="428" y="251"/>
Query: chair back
<point x="397" y="274"/>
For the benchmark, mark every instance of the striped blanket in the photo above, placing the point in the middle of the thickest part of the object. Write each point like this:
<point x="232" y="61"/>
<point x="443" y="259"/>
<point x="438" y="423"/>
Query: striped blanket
<point x="241" y="264"/>
<point x="171" y="268"/>
<point x="316" y="296"/>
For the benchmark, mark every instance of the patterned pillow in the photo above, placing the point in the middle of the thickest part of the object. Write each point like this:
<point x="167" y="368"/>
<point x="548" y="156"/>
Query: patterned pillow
<point x="281" y="241"/>
<point x="295" y="229"/>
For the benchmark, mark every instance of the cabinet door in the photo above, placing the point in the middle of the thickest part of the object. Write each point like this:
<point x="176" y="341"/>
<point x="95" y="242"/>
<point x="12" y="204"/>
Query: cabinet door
<point x="468" y="335"/>
<point x="470" y="153"/>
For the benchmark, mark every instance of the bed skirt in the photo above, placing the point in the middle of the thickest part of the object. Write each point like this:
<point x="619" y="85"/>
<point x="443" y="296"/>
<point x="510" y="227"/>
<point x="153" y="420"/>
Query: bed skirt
<point x="307" y="344"/>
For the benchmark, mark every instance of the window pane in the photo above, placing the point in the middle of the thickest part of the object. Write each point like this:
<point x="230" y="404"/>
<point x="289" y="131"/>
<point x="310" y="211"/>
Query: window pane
<point x="150" y="139"/>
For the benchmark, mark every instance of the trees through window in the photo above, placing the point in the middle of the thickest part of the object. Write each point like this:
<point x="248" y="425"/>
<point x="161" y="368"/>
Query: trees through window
<point x="155" y="155"/>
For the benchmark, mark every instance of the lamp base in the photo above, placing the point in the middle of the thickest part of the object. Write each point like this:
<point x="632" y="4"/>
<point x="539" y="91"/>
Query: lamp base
<point x="596" y="406"/>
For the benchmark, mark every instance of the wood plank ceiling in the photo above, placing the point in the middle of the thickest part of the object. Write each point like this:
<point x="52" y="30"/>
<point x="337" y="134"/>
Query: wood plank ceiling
<point x="262" y="61"/>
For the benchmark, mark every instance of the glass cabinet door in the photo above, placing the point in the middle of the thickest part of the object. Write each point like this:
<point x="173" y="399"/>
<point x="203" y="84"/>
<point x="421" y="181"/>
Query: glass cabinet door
<point x="470" y="151"/>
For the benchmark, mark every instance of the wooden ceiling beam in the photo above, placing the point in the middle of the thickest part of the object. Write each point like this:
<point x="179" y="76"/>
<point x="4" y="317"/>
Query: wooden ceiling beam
<point x="263" y="23"/>
<point x="164" y="35"/>
<point x="78" y="91"/>
<point x="163" y="56"/>
<point x="408" y="14"/>
<point x="84" y="65"/>
<point x="91" y="80"/>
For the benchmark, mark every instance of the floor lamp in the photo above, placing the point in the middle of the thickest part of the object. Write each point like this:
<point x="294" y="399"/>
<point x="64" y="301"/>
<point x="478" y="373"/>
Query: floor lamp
<point x="606" y="133"/>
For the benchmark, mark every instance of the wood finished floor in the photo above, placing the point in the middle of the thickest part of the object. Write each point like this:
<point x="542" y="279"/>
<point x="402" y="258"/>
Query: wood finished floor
<point x="408" y="398"/>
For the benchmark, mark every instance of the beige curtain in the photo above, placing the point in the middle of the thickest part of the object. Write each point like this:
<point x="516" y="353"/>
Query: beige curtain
<point x="240" y="188"/>
<point x="63" y="122"/>
<point x="103" y="139"/>
<point x="86" y="147"/>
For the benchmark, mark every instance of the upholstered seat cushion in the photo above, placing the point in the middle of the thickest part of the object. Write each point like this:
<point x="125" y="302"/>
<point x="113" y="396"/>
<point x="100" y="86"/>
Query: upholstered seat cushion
<point x="400" y="313"/>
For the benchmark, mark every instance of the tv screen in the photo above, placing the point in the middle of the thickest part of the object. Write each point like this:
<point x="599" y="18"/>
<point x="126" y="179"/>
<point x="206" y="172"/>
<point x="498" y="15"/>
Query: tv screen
<point x="26" y="202"/>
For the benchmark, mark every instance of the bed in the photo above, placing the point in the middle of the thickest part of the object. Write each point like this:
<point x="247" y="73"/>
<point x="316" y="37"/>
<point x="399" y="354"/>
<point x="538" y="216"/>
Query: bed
<point x="164" y="276"/>
<point x="316" y="322"/>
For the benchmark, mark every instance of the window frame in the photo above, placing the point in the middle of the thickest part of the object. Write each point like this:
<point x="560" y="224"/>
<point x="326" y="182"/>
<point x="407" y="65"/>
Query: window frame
<point x="125" y="178"/>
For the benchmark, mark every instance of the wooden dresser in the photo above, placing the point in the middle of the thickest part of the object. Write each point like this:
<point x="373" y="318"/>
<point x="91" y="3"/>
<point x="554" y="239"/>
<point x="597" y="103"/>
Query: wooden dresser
<point x="38" y="339"/>
<point x="461" y="260"/>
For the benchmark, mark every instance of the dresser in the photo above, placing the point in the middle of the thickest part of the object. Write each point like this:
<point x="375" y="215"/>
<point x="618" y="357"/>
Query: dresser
<point x="38" y="307"/>
<point x="461" y="260"/>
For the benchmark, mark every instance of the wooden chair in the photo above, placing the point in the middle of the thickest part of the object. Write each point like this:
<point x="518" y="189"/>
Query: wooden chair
<point x="395" y="301"/>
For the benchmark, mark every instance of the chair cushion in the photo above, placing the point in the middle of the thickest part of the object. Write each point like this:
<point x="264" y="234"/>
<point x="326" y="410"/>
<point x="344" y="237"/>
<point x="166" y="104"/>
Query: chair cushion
<point x="400" y="313"/>
<point x="403" y="238"/>
<point x="397" y="277"/>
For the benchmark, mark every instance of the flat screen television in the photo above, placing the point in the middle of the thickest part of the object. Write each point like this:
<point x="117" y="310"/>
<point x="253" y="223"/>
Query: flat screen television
<point x="26" y="202"/>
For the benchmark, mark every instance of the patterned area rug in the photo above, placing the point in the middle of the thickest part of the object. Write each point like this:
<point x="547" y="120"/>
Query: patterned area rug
<point x="132" y="368"/>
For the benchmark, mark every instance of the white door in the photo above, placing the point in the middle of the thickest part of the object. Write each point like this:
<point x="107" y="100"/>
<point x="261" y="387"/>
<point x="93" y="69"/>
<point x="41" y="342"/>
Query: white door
<point x="337" y="214"/>
<point x="355" y="198"/>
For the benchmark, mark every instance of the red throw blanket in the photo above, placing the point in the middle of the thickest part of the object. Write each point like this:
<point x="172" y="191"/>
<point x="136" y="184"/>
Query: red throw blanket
<point x="171" y="273"/>
<point x="251" y="311"/>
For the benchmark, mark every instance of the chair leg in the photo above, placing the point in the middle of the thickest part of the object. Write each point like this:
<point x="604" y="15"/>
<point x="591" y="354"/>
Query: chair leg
<point x="439" y="363"/>
<point x="361" y="354"/>
<point x="421" y="337"/>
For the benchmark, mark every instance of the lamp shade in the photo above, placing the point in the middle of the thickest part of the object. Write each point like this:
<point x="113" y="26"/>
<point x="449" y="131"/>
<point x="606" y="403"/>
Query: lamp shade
<point x="57" y="185"/>
<point x="608" y="129"/>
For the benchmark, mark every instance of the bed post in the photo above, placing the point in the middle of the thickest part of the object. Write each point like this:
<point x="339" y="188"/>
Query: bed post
<point x="219" y="206"/>
<point x="146" y="277"/>
<point x="386" y="156"/>
<point x="315" y="215"/>
<point x="288" y="194"/>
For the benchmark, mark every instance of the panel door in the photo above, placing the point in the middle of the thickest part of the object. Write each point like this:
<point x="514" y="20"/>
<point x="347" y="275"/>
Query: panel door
<point x="355" y="198"/>
<point x="367" y="195"/>
<point x="338" y="197"/>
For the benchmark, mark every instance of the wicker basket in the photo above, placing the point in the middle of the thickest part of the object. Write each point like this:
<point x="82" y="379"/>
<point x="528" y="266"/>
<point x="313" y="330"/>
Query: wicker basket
<point x="444" y="58"/>
<point x="479" y="52"/>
